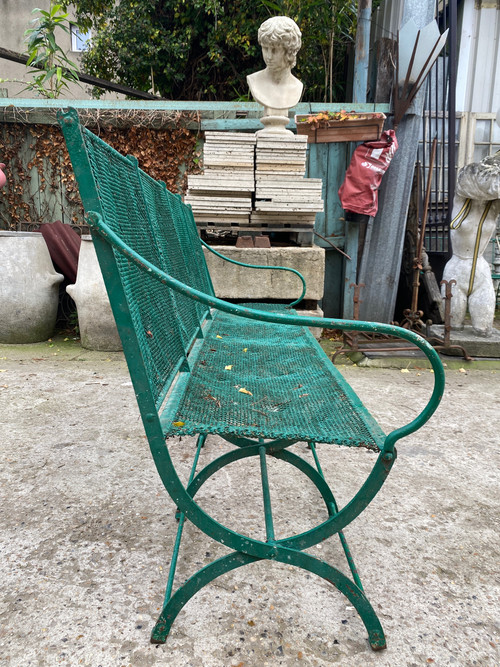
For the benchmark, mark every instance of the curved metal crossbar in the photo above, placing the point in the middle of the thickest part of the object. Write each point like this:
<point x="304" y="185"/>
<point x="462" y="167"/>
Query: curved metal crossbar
<point x="304" y="561"/>
<point x="238" y="454"/>
<point x="315" y="475"/>
<point x="261" y="266"/>
<point x="333" y="524"/>
<point x="287" y="550"/>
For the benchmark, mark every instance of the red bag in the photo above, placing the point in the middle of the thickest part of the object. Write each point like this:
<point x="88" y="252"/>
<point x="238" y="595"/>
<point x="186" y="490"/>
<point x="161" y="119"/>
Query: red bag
<point x="370" y="161"/>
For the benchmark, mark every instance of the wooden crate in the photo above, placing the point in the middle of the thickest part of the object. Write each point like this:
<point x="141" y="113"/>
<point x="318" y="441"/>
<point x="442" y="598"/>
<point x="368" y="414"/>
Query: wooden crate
<point x="366" y="127"/>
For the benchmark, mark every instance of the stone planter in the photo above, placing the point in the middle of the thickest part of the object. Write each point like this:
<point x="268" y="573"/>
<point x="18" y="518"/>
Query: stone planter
<point x="95" y="318"/>
<point x="365" y="127"/>
<point x="29" y="288"/>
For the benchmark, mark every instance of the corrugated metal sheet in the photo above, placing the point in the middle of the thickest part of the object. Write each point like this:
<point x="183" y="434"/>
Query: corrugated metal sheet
<point x="478" y="79"/>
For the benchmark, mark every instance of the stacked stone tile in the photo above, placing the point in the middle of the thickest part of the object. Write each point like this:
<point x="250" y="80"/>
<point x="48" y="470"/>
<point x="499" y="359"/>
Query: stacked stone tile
<point x="283" y="197"/>
<point x="223" y="194"/>
<point x="255" y="184"/>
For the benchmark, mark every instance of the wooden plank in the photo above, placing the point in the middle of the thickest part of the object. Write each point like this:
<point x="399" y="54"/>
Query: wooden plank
<point x="317" y="167"/>
<point x="185" y="105"/>
<point x="271" y="227"/>
<point x="338" y="161"/>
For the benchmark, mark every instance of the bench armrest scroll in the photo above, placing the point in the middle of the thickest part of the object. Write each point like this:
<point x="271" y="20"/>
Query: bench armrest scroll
<point x="260" y="266"/>
<point x="98" y="226"/>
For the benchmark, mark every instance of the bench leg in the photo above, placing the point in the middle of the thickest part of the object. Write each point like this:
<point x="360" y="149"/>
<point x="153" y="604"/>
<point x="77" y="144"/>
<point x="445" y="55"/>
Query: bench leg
<point x="194" y="584"/>
<point x="289" y="550"/>
<point x="300" y="559"/>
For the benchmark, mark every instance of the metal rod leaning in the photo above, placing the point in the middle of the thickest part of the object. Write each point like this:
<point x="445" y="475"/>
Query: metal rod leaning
<point x="268" y="514"/>
<point x="182" y="519"/>
<point x="343" y="541"/>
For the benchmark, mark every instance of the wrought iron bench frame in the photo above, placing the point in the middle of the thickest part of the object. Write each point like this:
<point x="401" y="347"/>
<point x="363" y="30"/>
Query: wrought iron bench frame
<point x="158" y="405"/>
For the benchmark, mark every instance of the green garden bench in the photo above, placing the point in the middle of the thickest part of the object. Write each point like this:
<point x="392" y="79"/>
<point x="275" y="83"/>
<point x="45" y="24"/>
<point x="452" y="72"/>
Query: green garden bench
<point x="179" y="338"/>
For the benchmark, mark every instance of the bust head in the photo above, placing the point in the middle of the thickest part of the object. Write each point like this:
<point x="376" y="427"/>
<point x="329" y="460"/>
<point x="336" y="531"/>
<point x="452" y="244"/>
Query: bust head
<point x="275" y="87"/>
<point x="281" y="32"/>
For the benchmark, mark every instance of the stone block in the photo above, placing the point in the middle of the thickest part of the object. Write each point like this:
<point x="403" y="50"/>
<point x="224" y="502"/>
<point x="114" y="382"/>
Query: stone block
<point x="475" y="346"/>
<point x="262" y="242"/>
<point x="244" y="242"/>
<point x="237" y="282"/>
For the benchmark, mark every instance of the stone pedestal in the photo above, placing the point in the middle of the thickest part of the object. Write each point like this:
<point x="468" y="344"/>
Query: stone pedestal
<point x="236" y="282"/>
<point x="255" y="183"/>
<point x="476" y="346"/>
<point x="274" y="125"/>
<point x="97" y="325"/>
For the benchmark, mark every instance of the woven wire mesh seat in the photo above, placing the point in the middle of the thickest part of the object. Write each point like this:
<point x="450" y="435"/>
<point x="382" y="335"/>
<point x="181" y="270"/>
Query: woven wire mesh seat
<point x="259" y="380"/>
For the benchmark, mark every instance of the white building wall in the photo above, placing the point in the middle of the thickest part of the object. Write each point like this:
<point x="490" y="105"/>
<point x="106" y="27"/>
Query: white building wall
<point x="386" y="20"/>
<point x="478" y="74"/>
<point x="16" y="16"/>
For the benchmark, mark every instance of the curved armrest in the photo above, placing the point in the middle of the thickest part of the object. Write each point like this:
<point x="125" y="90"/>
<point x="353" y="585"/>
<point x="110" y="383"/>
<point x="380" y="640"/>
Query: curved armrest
<point x="260" y="266"/>
<point x="97" y="225"/>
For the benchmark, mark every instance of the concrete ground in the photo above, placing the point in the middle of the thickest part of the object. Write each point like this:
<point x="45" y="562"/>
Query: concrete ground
<point x="87" y="530"/>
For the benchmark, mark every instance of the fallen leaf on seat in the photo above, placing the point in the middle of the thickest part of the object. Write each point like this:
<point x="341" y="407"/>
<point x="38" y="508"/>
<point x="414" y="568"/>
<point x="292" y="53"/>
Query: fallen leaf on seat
<point x="245" y="349"/>
<point x="209" y="397"/>
<point x="228" y="368"/>
<point x="217" y="336"/>
<point x="245" y="391"/>
<point x="178" y="424"/>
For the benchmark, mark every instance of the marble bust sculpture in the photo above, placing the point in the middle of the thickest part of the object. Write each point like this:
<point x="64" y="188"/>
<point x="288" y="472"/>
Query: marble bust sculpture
<point x="275" y="87"/>
<point x="476" y="207"/>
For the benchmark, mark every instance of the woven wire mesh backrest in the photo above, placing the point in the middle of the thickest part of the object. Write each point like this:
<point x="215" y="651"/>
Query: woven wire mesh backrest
<point x="188" y="234"/>
<point x="180" y="262"/>
<point x="152" y="306"/>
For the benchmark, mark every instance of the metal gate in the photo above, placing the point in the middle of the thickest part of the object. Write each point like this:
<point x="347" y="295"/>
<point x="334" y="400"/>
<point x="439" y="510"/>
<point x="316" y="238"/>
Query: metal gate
<point x="440" y="121"/>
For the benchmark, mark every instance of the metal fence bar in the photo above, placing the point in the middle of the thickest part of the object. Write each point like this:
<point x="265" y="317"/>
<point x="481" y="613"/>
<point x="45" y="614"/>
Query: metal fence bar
<point x="439" y="120"/>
